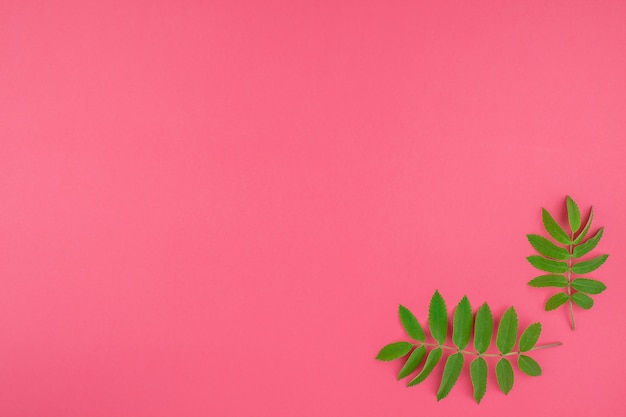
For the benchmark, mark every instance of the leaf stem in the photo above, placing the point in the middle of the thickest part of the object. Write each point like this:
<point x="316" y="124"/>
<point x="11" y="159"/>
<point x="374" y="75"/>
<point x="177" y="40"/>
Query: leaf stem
<point x="491" y="355"/>
<point x="569" y="280"/>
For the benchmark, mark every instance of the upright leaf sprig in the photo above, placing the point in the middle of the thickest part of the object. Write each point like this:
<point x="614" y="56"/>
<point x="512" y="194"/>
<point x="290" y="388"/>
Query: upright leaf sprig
<point x="558" y="260"/>
<point x="464" y="324"/>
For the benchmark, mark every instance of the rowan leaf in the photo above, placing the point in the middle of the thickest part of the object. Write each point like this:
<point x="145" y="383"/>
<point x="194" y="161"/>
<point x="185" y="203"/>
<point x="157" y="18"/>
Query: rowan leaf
<point x="547" y="248"/>
<point x="438" y="318"/>
<point x="589" y="245"/>
<point x="528" y="365"/>
<point x="478" y="373"/>
<point x="529" y="337"/>
<point x="504" y="375"/>
<point x="556" y="301"/>
<point x="431" y="361"/>
<point x="462" y="328"/>
<point x="483" y="328"/>
<point x="573" y="214"/>
<point x="588" y="286"/>
<point x="451" y="373"/>
<point x="507" y="331"/>
<point x="410" y="324"/>
<point x="412" y="362"/>
<point x="582" y="300"/>
<point x="553" y="228"/>
<point x="548" y="265"/>
<point x="394" y="351"/>
<point x="558" y="281"/>
<point x="585" y="267"/>
<point x="422" y="358"/>
<point x="582" y="234"/>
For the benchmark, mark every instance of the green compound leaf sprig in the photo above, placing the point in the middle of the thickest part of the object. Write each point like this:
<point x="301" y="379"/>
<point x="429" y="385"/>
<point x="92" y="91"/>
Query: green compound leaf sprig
<point x="464" y="325"/>
<point x="561" y="260"/>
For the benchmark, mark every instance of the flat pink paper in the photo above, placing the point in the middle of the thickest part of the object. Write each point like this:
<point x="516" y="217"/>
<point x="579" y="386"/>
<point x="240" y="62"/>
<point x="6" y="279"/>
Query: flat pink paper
<point x="215" y="208"/>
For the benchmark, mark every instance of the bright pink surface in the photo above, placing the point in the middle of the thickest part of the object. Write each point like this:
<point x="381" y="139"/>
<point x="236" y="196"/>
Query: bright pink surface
<point x="215" y="208"/>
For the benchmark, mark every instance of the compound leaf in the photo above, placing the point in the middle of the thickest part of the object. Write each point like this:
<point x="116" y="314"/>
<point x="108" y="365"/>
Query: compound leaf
<point x="582" y="234"/>
<point x="547" y="265"/>
<point x="504" y="375"/>
<point x="438" y="318"/>
<point x="394" y="351"/>
<point x="431" y="362"/>
<point x="558" y="281"/>
<point x="528" y="365"/>
<point x="483" y="328"/>
<point x="588" y="286"/>
<point x="451" y="373"/>
<point x="590" y="265"/>
<point x="553" y="228"/>
<point x="507" y="331"/>
<point x="547" y="248"/>
<point x="412" y="362"/>
<point x="589" y="245"/>
<point x="582" y="300"/>
<point x="462" y="328"/>
<point x="573" y="214"/>
<point x="410" y="324"/>
<point x="478" y="372"/>
<point x="556" y="300"/>
<point x="529" y="337"/>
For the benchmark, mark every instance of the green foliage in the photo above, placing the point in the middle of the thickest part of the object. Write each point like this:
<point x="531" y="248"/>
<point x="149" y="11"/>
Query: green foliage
<point x="556" y="301"/>
<point x="563" y="260"/>
<point x="462" y="329"/>
<point x="478" y="373"/>
<point x="483" y="328"/>
<point x="464" y="326"/>
<point x="411" y="325"/>
<point x="438" y="318"/>
<point x="529" y="337"/>
<point x="558" y="281"/>
<point x="411" y="364"/>
<point x="394" y="351"/>
<point x="507" y="331"/>
<point x="528" y="365"/>
<point x="505" y="375"/>
<point x="451" y="373"/>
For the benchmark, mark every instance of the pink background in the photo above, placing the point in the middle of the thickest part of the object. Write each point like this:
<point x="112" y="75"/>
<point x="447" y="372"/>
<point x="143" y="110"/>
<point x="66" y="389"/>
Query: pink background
<point x="215" y="208"/>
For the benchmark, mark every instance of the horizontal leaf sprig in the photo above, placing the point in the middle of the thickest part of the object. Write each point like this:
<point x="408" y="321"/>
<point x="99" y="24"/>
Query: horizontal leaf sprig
<point x="464" y="325"/>
<point x="558" y="259"/>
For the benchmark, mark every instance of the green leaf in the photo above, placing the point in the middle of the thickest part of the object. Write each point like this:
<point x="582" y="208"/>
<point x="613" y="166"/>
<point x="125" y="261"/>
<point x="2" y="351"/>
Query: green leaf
<point x="483" y="329"/>
<point x="478" y="372"/>
<point x="451" y="373"/>
<point x="547" y="248"/>
<point x="553" y="228"/>
<point x="528" y="365"/>
<point x="589" y="245"/>
<point x="556" y="300"/>
<point x="590" y="265"/>
<point x="431" y="362"/>
<point x="394" y="351"/>
<point x="582" y="300"/>
<point x="507" y="331"/>
<point x="529" y="337"/>
<point x="438" y="318"/>
<point x="504" y="375"/>
<point x="462" y="329"/>
<point x="411" y="325"/>
<point x="412" y="362"/>
<point x="588" y="286"/>
<point x="573" y="214"/>
<point x="547" y="265"/>
<point x="558" y="281"/>
<point x="582" y="234"/>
